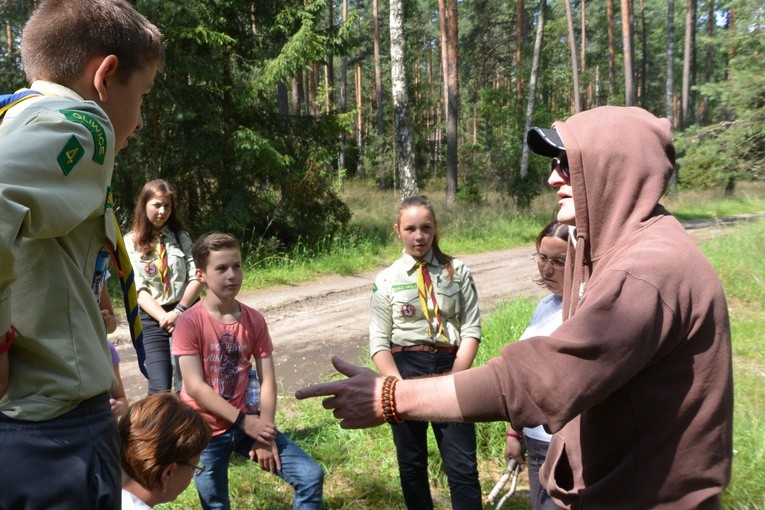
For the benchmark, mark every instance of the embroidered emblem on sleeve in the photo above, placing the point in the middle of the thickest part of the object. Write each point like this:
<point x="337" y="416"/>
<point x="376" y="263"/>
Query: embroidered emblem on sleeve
<point x="70" y="155"/>
<point x="96" y="131"/>
<point x="407" y="310"/>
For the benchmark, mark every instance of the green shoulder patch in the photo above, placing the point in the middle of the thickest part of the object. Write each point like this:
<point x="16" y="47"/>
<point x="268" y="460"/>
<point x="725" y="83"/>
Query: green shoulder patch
<point x="374" y="288"/>
<point x="404" y="286"/>
<point x="70" y="155"/>
<point x="96" y="131"/>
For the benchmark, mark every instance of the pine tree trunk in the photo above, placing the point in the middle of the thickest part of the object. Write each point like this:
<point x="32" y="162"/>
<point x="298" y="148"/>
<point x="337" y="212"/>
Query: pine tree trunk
<point x="709" y="60"/>
<point x="530" y="103"/>
<point x="343" y="90"/>
<point x="611" y="51"/>
<point x="378" y="93"/>
<point x="519" y="25"/>
<point x="404" y="149"/>
<point x="644" y="58"/>
<point x="574" y="64"/>
<point x="627" y="38"/>
<point x="670" y="83"/>
<point x="449" y="35"/>
<point x="582" y="56"/>
<point x="690" y="20"/>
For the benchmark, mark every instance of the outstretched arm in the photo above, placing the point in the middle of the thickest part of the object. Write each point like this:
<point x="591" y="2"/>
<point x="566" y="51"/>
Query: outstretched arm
<point x="357" y="400"/>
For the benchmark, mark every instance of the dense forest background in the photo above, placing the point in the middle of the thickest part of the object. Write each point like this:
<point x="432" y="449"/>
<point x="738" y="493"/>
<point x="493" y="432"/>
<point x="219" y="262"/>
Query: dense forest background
<point x="265" y="108"/>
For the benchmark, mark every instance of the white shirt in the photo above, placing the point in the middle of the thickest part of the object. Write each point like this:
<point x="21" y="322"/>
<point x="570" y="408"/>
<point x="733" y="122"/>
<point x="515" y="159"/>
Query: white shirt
<point x="131" y="502"/>
<point x="546" y="319"/>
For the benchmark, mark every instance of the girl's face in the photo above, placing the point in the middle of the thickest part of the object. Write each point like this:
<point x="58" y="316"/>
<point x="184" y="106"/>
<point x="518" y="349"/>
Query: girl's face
<point x="551" y="262"/>
<point x="158" y="209"/>
<point x="416" y="228"/>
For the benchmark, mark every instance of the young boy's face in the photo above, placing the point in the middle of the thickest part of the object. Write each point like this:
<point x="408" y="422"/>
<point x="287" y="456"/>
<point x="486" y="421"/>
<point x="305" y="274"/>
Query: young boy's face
<point x="223" y="274"/>
<point x="124" y="103"/>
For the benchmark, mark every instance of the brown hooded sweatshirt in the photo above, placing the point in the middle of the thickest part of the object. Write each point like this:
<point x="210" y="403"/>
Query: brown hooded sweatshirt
<point x="637" y="382"/>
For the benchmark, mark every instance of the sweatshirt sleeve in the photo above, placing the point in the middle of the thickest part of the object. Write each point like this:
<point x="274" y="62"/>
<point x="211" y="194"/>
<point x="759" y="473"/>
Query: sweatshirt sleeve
<point x="616" y="331"/>
<point x="55" y="170"/>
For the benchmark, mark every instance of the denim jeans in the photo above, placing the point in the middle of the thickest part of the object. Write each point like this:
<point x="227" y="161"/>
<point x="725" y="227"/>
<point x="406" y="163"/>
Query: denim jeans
<point x="536" y="451"/>
<point x="456" y="443"/>
<point x="156" y="345"/>
<point x="298" y="469"/>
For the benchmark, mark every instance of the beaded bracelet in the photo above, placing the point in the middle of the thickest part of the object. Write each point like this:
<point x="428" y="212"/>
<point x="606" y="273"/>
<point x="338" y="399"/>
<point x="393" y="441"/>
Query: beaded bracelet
<point x="516" y="435"/>
<point x="389" y="400"/>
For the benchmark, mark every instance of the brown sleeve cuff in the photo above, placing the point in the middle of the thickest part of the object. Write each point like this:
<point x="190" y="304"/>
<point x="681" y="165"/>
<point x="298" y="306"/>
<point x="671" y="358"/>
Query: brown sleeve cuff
<point x="479" y="394"/>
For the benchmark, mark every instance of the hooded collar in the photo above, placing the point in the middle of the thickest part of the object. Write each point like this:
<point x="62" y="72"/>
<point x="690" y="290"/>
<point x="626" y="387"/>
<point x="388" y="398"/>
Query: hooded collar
<point x="620" y="160"/>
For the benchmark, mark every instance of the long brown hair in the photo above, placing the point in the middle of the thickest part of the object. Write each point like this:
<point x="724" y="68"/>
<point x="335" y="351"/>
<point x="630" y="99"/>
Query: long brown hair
<point x="423" y="201"/>
<point x="143" y="230"/>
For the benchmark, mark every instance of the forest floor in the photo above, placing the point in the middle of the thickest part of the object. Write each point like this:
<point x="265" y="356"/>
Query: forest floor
<point x="311" y="322"/>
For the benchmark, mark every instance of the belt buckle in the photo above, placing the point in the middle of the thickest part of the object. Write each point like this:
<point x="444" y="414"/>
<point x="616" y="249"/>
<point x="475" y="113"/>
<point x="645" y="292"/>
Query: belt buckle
<point x="432" y="349"/>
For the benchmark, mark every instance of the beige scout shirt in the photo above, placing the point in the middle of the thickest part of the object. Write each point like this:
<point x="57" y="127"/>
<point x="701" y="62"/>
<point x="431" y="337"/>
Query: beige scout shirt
<point x="397" y="316"/>
<point x="56" y="167"/>
<point x="180" y="266"/>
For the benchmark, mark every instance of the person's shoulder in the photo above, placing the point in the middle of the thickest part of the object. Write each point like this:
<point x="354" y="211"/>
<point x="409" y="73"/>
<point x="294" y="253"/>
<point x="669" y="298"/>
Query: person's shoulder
<point x="459" y="264"/>
<point x="250" y="312"/>
<point x="194" y="313"/>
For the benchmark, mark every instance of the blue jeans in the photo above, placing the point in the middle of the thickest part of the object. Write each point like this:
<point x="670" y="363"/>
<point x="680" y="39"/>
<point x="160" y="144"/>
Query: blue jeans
<point x="298" y="469"/>
<point x="156" y="346"/>
<point x="456" y="443"/>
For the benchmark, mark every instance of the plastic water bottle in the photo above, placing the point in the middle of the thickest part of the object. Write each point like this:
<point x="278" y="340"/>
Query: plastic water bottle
<point x="252" y="397"/>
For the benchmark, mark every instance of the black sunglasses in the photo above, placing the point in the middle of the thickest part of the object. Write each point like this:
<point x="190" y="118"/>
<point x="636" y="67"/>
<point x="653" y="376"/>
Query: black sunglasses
<point x="561" y="163"/>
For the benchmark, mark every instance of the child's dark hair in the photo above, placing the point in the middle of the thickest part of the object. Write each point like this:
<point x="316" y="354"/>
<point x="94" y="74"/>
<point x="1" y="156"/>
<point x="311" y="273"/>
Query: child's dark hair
<point x="209" y="242"/>
<point x="62" y="36"/>
<point x="143" y="230"/>
<point x="156" y="432"/>
<point x="423" y="201"/>
<point x="553" y="229"/>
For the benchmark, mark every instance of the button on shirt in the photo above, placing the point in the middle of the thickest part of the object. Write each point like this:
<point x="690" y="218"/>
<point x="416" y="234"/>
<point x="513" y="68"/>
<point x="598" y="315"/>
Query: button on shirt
<point x="397" y="316"/>
<point x="180" y="265"/>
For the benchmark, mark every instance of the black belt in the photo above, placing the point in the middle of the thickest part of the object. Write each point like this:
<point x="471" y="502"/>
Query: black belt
<point x="451" y="349"/>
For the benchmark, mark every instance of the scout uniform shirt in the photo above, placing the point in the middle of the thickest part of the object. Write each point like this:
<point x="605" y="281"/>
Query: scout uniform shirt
<point x="397" y="316"/>
<point x="55" y="172"/>
<point x="180" y="266"/>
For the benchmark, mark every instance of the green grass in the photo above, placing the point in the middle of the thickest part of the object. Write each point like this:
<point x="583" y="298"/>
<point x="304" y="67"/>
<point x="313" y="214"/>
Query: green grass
<point x="497" y="224"/>
<point x="360" y="466"/>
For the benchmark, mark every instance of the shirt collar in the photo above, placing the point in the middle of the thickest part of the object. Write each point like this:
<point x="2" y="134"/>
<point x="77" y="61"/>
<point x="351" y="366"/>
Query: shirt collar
<point x="54" y="89"/>
<point x="411" y="263"/>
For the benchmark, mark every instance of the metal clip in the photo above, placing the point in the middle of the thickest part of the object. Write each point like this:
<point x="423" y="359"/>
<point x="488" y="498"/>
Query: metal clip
<point x="510" y="473"/>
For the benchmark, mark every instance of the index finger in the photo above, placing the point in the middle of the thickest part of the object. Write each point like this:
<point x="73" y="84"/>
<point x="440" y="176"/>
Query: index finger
<point x="319" y="390"/>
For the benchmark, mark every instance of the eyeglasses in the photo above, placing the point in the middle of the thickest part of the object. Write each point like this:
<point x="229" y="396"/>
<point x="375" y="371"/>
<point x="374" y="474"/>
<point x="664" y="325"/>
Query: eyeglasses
<point x="561" y="163"/>
<point x="544" y="259"/>
<point x="199" y="468"/>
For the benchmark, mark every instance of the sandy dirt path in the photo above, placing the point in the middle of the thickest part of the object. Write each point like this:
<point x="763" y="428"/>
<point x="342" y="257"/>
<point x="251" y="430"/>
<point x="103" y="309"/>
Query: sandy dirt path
<point x="311" y="322"/>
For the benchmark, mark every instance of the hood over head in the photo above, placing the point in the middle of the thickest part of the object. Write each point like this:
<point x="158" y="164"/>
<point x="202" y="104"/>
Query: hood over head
<point x="621" y="160"/>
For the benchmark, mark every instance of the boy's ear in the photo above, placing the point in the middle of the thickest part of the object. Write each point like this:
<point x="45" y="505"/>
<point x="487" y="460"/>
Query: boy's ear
<point x="200" y="275"/>
<point x="106" y="73"/>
